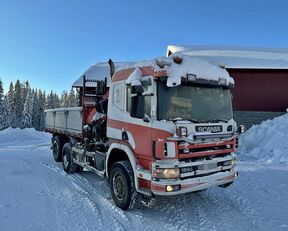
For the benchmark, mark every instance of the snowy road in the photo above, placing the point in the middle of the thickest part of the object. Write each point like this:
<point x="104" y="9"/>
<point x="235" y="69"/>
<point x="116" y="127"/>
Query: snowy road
<point x="36" y="194"/>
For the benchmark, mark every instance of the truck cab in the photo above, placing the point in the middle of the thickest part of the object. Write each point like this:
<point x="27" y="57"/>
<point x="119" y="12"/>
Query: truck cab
<point x="179" y="130"/>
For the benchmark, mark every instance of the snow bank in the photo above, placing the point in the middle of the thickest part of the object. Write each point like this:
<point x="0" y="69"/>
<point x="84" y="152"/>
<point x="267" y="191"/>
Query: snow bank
<point x="267" y="142"/>
<point x="17" y="135"/>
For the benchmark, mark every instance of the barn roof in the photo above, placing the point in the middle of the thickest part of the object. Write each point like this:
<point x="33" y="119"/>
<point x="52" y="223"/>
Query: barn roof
<point x="237" y="57"/>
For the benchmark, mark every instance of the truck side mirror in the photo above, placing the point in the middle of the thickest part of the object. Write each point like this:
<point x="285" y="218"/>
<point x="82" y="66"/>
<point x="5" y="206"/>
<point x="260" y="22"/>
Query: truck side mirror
<point x="137" y="106"/>
<point x="241" y="129"/>
<point x="137" y="89"/>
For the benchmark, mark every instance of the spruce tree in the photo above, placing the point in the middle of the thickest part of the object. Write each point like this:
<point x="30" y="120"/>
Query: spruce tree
<point x="36" y="109"/>
<point x="64" y="101"/>
<point x="41" y="97"/>
<point x="11" y="105"/>
<point x="18" y="103"/>
<point x="1" y="92"/>
<point x="28" y="110"/>
<point x="50" y="104"/>
<point x="2" y="118"/>
<point x="72" y="99"/>
<point x="5" y="116"/>
<point x="56" y="101"/>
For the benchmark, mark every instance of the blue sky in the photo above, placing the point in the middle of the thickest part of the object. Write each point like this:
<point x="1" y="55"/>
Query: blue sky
<point x="52" y="42"/>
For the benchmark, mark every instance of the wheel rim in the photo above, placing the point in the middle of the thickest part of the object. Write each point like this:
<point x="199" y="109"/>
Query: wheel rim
<point x="119" y="187"/>
<point x="55" y="149"/>
<point x="65" y="159"/>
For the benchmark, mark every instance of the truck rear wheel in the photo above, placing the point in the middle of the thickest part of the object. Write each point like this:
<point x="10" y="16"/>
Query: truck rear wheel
<point x="57" y="148"/>
<point x="122" y="185"/>
<point x="68" y="165"/>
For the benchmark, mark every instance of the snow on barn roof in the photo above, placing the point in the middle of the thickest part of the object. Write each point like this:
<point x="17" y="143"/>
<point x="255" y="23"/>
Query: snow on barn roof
<point x="237" y="57"/>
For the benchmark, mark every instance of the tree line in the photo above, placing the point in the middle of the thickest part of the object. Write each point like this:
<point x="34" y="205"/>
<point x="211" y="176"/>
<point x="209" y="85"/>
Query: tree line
<point x="23" y="106"/>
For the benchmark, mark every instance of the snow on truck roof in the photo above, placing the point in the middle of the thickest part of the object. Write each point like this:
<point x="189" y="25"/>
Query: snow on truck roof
<point x="198" y="67"/>
<point x="98" y="71"/>
<point x="237" y="57"/>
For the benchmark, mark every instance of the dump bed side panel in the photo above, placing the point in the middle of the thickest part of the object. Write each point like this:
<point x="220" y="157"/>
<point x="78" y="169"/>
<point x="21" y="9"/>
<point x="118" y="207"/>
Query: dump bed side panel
<point x="64" y="120"/>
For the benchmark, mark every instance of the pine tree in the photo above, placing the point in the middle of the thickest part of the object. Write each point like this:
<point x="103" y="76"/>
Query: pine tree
<point x="56" y="101"/>
<point x="28" y="110"/>
<point x="64" y="99"/>
<point x="36" y="111"/>
<point x="18" y="103"/>
<point x="72" y="99"/>
<point x="5" y="114"/>
<point x="2" y="118"/>
<point x="11" y="106"/>
<point x="50" y="104"/>
<point x="1" y="92"/>
<point x="25" y="87"/>
<point x="42" y="98"/>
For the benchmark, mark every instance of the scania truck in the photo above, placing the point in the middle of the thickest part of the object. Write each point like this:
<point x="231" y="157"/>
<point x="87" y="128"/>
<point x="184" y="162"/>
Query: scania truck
<point x="156" y="128"/>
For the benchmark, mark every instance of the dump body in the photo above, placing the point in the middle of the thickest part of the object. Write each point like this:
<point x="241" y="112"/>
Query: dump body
<point x="64" y="121"/>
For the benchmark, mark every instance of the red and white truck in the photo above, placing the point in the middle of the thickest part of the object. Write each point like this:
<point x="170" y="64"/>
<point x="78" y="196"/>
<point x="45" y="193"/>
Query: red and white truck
<point x="160" y="127"/>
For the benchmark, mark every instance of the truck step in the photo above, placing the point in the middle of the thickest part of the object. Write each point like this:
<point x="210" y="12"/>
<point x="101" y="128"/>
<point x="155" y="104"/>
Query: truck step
<point x="145" y="191"/>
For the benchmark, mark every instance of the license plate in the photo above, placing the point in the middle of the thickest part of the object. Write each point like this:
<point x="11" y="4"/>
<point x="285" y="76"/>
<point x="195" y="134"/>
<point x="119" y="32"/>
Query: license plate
<point x="207" y="166"/>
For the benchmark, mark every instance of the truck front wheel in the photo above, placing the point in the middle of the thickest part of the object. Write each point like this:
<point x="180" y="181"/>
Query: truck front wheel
<point x="68" y="164"/>
<point x="122" y="185"/>
<point x="57" y="148"/>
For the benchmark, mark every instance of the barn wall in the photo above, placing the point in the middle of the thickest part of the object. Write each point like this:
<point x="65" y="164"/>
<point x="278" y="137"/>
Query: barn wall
<point x="260" y="90"/>
<point x="249" y="118"/>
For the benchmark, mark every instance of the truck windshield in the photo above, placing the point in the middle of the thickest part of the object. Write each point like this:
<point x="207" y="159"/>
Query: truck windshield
<point x="197" y="104"/>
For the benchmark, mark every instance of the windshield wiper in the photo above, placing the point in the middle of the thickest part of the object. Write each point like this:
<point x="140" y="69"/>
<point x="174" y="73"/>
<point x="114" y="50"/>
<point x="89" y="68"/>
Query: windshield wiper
<point x="190" y="120"/>
<point x="216" y="121"/>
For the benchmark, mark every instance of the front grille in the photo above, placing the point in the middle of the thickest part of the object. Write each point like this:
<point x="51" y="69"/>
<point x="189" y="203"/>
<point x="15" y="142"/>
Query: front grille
<point x="201" y="175"/>
<point x="205" y="149"/>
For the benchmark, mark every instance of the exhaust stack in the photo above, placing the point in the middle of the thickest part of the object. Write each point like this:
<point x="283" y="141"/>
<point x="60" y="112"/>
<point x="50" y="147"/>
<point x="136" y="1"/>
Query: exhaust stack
<point x="112" y="67"/>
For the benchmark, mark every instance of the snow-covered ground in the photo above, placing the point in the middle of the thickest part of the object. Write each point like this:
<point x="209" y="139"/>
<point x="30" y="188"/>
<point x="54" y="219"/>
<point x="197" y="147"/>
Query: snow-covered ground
<point x="36" y="194"/>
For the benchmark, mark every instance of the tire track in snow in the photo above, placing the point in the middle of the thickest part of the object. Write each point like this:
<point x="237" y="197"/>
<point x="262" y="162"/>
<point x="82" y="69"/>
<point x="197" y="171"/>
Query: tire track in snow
<point x="186" y="217"/>
<point x="226" y="212"/>
<point x="94" y="198"/>
<point x="67" y="201"/>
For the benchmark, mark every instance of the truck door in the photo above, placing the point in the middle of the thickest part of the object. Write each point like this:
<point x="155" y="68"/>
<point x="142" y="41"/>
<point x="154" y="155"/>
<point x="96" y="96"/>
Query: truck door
<point x="137" y="131"/>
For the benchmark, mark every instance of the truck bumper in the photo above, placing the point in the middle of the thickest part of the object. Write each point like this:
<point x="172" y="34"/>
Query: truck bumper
<point x="193" y="184"/>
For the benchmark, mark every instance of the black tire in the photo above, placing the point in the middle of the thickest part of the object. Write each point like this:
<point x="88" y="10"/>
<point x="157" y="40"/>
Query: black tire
<point x="122" y="185"/>
<point x="68" y="165"/>
<point x="57" y="148"/>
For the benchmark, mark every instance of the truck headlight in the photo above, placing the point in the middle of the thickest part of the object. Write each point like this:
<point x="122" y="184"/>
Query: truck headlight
<point x="233" y="162"/>
<point x="166" y="173"/>
<point x="181" y="131"/>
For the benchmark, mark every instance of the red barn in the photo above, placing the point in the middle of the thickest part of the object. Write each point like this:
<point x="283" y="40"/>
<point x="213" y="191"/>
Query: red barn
<point x="260" y="74"/>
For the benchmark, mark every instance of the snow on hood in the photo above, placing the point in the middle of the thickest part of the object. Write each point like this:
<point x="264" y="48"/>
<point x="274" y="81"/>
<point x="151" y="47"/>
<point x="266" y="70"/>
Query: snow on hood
<point x="189" y="65"/>
<point x="267" y="142"/>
